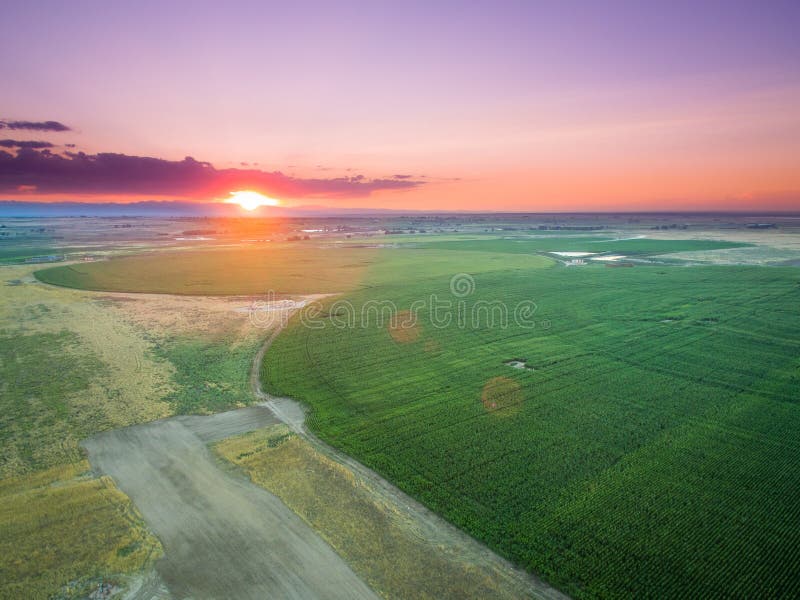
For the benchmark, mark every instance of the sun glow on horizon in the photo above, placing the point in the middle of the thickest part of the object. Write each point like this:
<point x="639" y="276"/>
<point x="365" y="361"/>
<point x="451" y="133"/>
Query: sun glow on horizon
<point x="250" y="200"/>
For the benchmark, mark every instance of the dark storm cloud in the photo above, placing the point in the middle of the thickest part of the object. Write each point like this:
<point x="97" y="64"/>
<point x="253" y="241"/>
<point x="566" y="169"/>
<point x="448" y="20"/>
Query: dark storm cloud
<point x="24" y="144"/>
<point x="34" y="125"/>
<point x="108" y="173"/>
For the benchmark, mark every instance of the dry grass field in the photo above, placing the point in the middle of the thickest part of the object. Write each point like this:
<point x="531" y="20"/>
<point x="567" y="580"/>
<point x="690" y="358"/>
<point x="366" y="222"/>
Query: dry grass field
<point x="63" y="531"/>
<point x="73" y="363"/>
<point x="70" y="367"/>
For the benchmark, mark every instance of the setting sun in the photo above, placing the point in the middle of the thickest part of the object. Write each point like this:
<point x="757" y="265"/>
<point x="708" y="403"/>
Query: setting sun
<point x="250" y="200"/>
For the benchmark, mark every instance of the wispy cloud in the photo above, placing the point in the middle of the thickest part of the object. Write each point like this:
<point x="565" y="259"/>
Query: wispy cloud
<point x="109" y="173"/>
<point x="34" y="125"/>
<point x="24" y="144"/>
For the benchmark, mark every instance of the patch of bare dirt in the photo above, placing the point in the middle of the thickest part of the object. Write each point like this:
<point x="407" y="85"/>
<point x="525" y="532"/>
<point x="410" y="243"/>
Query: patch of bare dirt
<point x="223" y="537"/>
<point x="404" y="327"/>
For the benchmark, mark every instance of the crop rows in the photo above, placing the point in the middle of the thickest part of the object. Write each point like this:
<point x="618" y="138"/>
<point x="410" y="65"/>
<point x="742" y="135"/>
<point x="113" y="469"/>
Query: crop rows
<point x="654" y="451"/>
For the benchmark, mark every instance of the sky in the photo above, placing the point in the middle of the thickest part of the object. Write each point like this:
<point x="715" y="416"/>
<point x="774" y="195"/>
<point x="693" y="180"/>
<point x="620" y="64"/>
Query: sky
<point x="530" y="106"/>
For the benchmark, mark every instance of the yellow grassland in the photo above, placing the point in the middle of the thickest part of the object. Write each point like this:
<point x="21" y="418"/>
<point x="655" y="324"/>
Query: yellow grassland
<point x="129" y="389"/>
<point x="61" y="526"/>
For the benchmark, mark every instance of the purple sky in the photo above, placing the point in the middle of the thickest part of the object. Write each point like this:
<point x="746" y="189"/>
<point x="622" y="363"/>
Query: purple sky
<point x="527" y="105"/>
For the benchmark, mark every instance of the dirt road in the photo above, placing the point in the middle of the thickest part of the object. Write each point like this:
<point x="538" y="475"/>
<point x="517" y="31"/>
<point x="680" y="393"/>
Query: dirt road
<point x="223" y="537"/>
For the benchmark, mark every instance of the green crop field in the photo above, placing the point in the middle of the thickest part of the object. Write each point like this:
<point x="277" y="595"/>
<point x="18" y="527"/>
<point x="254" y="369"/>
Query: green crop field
<point x="646" y="439"/>
<point x="647" y="446"/>
<point x="289" y="269"/>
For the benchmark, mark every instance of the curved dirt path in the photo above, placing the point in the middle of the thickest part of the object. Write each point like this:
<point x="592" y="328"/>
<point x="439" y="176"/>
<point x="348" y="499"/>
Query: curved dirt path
<point x="430" y="525"/>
